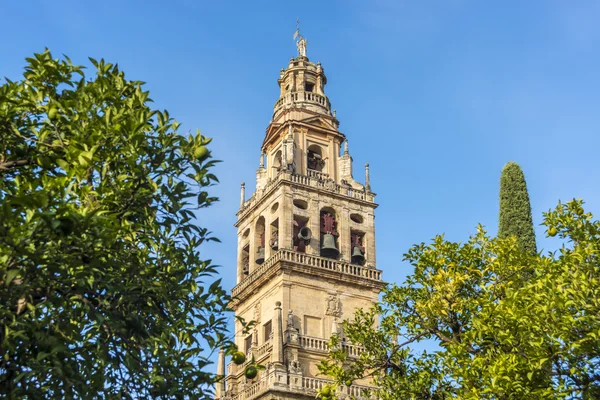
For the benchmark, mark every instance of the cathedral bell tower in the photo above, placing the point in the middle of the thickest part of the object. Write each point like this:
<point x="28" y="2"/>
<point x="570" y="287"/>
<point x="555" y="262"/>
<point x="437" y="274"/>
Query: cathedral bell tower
<point x="306" y="246"/>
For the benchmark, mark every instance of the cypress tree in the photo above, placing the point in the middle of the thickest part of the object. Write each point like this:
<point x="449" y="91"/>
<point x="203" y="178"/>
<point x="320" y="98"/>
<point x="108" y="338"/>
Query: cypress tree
<point x="515" y="209"/>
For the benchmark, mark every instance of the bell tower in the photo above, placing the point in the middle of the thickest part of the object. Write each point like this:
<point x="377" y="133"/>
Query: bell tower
<point x="306" y="245"/>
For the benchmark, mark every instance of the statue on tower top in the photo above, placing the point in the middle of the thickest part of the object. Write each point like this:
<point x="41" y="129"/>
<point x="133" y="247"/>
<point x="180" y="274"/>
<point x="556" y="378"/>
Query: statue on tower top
<point x="300" y="40"/>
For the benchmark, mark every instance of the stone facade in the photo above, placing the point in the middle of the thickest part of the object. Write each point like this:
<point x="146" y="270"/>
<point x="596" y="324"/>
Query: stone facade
<point x="306" y="246"/>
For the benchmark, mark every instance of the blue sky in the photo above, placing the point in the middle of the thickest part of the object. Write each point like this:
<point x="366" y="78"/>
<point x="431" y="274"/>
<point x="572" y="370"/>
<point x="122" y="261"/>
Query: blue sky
<point x="436" y="95"/>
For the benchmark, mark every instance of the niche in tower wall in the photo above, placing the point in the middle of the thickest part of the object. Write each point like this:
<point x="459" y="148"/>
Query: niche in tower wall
<point x="300" y="233"/>
<point x="329" y="233"/>
<point x="357" y="249"/>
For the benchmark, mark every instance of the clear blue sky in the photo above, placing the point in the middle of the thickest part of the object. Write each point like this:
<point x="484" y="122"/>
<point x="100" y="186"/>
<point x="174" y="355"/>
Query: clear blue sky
<point x="436" y="95"/>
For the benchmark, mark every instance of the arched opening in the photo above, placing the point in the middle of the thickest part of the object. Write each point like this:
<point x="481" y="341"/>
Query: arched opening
<point x="329" y="233"/>
<point x="314" y="158"/>
<point x="259" y="240"/>
<point x="357" y="248"/>
<point x="274" y="240"/>
<point x="245" y="260"/>
<point x="301" y="234"/>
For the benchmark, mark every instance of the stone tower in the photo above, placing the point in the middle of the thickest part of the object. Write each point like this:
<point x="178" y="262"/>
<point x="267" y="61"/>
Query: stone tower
<point x="306" y="245"/>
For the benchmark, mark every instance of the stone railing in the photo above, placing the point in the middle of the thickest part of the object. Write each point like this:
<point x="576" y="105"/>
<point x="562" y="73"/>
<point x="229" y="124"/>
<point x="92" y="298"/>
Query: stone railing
<point x="331" y="186"/>
<point x="321" y="345"/>
<point x="301" y="97"/>
<point x="315" y="384"/>
<point x="251" y="392"/>
<point x="257" y="273"/>
<point x="314" y="179"/>
<point x="258" y="352"/>
<point x="311" y="260"/>
<point x="310" y="386"/>
<point x="263" y="349"/>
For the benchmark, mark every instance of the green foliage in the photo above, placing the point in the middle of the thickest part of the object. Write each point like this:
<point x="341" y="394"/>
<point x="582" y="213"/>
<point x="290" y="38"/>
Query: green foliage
<point x="515" y="209"/>
<point x="495" y="336"/>
<point x="102" y="286"/>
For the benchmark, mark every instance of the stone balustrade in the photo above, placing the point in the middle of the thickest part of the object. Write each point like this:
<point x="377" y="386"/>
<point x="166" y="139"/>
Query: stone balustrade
<point x="259" y="353"/>
<point x="310" y="386"/>
<point x="301" y="97"/>
<point x="309" y="260"/>
<point x="250" y="392"/>
<point x="315" y="384"/>
<point x="314" y="179"/>
<point x="263" y="349"/>
<point x="322" y="345"/>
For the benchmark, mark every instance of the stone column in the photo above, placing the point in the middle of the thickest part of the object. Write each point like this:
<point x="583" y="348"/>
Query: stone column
<point x="367" y="178"/>
<point x="242" y="194"/>
<point x="286" y="215"/>
<point x="370" y="238"/>
<point x="344" y="231"/>
<point x="220" y="387"/>
<point x="277" y="358"/>
<point x="314" y="224"/>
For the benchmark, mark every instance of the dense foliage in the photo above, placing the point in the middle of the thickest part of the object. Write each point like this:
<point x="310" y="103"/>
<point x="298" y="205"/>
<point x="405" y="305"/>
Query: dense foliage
<point x="102" y="290"/>
<point x="492" y="335"/>
<point x="515" y="209"/>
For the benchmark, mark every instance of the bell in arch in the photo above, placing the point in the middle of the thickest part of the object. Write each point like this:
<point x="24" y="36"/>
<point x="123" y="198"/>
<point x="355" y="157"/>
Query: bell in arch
<point x="304" y="234"/>
<point x="329" y="248"/>
<point x="357" y="256"/>
<point x="260" y="257"/>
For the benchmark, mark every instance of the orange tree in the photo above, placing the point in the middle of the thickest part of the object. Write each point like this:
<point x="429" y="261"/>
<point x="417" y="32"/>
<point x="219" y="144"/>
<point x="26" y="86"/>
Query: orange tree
<point x="102" y="286"/>
<point x="495" y="335"/>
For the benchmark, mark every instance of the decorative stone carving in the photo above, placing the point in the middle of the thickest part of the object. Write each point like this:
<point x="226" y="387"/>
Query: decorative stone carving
<point x="294" y="367"/>
<point x="257" y="312"/>
<point x="290" y="148"/>
<point x="334" y="306"/>
<point x="292" y="332"/>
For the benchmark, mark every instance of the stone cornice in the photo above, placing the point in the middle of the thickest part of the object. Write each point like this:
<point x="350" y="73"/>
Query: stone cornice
<point x="290" y="261"/>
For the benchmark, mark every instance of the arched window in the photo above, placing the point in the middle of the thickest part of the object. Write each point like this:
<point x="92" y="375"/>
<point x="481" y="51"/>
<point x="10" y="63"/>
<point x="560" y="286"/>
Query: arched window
<point x="259" y="240"/>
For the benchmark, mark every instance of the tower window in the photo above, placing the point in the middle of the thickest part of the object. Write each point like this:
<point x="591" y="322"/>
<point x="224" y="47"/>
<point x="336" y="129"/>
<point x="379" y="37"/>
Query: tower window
<point x="267" y="328"/>
<point x="309" y="87"/>
<point x="248" y="343"/>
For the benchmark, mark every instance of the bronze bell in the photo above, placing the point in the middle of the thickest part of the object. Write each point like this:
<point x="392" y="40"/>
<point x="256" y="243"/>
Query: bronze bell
<point x="261" y="256"/>
<point x="275" y="244"/>
<point x="304" y="234"/>
<point x="357" y="256"/>
<point x="329" y="249"/>
<point x="246" y="269"/>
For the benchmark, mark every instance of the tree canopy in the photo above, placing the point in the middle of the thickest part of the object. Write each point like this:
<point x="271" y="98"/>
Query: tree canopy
<point x="515" y="209"/>
<point x="491" y="335"/>
<point x="103" y="290"/>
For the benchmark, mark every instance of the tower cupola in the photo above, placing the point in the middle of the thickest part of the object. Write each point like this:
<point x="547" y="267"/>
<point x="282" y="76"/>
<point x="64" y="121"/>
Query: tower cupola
<point x="302" y="84"/>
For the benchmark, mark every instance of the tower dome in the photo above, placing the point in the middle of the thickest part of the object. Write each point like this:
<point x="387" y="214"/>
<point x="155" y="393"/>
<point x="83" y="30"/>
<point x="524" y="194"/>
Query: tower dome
<point x="302" y="85"/>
